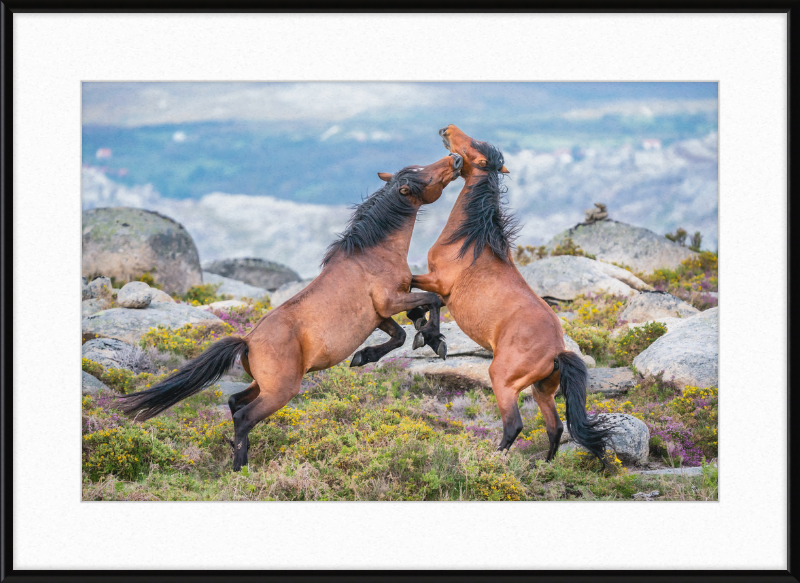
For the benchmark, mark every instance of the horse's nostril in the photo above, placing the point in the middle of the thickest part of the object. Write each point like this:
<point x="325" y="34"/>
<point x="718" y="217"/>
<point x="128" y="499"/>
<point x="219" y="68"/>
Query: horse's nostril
<point x="442" y="131"/>
<point x="458" y="161"/>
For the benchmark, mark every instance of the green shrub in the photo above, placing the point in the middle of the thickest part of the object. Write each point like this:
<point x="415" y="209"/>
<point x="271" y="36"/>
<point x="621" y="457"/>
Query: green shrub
<point x="592" y="340"/>
<point x="188" y="341"/>
<point x="690" y="281"/>
<point x="200" y="295"/>
<point x="678" y="237"/>
<point x="568" y="247"/>
<point x="526" y="254"/>
<point x="93" y="368"/>
<point x="696" y="241"/>
<point x="471" y="411"/>
<point x="147" y="277"/>
<point x="636" y="340"/>
<point x="126" y="452"/>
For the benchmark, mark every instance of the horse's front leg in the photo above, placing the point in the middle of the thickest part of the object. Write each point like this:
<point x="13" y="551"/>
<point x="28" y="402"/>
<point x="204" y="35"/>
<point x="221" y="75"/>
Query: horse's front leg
<point x="430" y="283"/>
<point x="375" y="353"/>
<point x="428" y="334"/>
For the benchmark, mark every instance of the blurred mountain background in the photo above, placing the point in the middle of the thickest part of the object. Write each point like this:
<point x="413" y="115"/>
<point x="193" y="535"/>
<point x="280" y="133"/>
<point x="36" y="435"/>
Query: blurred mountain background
<point x="270" y="169"/>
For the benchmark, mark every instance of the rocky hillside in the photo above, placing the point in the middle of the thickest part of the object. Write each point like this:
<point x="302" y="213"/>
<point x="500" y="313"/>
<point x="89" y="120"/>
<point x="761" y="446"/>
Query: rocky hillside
<point x="412" y="426"/>
<point x="615" y="242"/>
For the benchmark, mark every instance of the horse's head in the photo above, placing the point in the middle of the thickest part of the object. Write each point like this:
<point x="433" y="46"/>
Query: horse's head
<point x="424" y="184"/>
<point x="479" y="157"/>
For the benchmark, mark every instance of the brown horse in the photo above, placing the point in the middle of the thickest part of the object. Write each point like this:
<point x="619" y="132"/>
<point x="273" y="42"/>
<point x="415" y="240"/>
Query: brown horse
<point x="472" y="270"/>
<point x="365" y="278"/>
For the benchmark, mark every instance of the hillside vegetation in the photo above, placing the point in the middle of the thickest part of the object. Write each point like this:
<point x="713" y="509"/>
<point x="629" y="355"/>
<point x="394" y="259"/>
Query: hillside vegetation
<point x="390" y="434"/>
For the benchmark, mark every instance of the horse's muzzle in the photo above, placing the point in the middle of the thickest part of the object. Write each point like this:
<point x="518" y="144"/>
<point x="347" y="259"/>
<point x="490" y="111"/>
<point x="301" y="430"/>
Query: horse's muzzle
<point x="458" y="164"/>
<point x="445" y="139"/>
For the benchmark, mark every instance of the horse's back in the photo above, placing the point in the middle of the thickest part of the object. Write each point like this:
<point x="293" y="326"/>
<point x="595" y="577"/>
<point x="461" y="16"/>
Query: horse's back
<point x="330" y="318"/>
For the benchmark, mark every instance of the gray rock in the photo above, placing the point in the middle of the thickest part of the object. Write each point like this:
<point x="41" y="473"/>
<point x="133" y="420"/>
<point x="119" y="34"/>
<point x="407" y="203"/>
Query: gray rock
<point x="109" y="352"/>
<point x="590" y="362"/>
<point x="232" y="287"/>
<point x="85" y="293"/>
<point x="566" y="277"/>
<point x="472" y="370"/>
<point x="466" y="360"/>
<point x="458" y="343"/>
<point x="650" y="305"/>
<point x="571" y="345"/>
<point x="100" y="287"/>
<point x="610" y="382"/>
<point x="689" y="352"/>
<point x="130" y="325"/>
<point x="89" y="307"/>
<point x="630" y="438"/>
<point x="231" y="387"/>
<point x="223" y="305"/>
<point x="160" y="296"/>
<point x="253" y="271"/>
<point x="90" y="385"/>
<point x="135" y="294"/>
<point x="288" y="291"/>
<point x="127" y="242"/>
<point x="686" y="471"/>
<point x="617" y="242"/>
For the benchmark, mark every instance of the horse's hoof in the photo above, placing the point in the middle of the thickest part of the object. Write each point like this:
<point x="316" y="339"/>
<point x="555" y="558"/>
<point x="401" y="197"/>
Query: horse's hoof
<point x="442" y="351"/>
<point x="419" y="323"/>
<point x="358" y="360"/>
<point x="419" y="341"/>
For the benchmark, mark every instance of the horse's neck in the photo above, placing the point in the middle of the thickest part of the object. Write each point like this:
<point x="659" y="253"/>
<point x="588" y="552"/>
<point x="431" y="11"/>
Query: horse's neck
<point x="400" y="241"/>
<point x="459" y="212"/>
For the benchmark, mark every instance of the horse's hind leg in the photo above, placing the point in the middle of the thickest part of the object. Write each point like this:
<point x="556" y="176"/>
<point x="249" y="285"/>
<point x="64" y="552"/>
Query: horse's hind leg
<point x="276" y="391"/>
<point x="543" y="393"/>
<point x="375" y="353"/>
<point x="506" y="394"/>
<point x="241" y="399"/>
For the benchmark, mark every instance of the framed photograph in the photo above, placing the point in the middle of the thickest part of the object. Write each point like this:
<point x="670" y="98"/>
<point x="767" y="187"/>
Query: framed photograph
<point x="431" y="260"/>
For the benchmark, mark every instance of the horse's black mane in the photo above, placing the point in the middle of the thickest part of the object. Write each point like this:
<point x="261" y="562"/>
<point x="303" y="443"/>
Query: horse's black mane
<point x="379" y="215"/>
<point x="487" y="221"/>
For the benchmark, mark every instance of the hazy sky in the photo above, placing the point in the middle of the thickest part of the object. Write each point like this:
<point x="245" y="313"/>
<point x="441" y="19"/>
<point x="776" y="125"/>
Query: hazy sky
<point x="136" y="104"/>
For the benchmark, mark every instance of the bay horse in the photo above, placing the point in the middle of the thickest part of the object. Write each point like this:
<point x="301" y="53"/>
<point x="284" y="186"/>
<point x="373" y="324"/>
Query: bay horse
<point x="471" y="268"/>
<point x="365" y="278"/>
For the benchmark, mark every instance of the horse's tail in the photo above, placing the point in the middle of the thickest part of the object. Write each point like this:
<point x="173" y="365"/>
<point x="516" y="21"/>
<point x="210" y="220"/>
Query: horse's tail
<point x="591" y="433"/>
<point x="192" y="378"/>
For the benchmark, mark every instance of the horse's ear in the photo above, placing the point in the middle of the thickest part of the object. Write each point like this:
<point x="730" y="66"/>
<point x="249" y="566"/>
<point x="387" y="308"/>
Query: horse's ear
<point x="385" y="176"/>
<point x="405" y="190"/>
<point x="504" y="170"/>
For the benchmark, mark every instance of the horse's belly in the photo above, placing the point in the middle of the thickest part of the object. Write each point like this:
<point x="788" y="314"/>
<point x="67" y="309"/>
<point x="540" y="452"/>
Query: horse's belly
<point x="333" y="343"/>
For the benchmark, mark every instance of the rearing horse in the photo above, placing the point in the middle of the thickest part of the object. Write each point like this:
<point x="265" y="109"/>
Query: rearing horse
<point x="365" y="277"/>
<point x="472" y="270"/>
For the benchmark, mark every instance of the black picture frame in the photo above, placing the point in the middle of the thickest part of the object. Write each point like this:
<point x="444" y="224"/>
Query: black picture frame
<point x="7" y="571"/>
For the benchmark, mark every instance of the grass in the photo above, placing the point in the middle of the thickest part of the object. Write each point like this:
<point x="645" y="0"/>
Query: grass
<point x="388" y="434"/>
<point x="691" y="281"/>
<point x="383" y="434"/>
